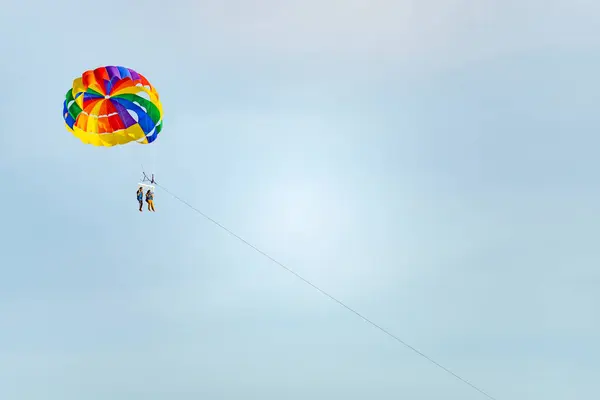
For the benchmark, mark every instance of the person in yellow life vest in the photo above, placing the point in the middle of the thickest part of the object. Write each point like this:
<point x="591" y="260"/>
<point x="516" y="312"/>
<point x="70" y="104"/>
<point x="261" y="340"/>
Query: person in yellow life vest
<point x="150" y="200"/>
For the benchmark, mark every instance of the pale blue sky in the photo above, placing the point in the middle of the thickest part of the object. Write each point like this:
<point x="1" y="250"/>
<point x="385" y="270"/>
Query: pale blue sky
<point x="431" y="163"/>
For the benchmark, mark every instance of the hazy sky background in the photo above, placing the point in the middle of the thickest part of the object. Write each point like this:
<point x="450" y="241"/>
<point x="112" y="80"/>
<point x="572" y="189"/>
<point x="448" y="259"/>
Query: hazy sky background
<point x="431" y="163"/>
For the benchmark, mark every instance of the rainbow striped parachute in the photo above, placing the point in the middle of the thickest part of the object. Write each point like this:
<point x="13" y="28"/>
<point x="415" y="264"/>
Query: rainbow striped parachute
<point x="113" y="106"/>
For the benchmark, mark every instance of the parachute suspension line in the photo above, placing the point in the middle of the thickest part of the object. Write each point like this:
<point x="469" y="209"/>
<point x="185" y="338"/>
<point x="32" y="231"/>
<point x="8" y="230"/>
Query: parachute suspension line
<point x="331" y="297"/>
<point x="125" y="156"/>
<point x="154" y="157"/>
<point x="130" y="158"/>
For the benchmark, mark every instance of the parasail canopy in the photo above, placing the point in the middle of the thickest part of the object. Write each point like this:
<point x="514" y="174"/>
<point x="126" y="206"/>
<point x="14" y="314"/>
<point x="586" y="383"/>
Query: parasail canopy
<point x="111" y="106"/>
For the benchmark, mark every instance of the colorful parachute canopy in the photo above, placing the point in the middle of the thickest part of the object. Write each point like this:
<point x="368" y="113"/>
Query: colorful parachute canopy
<point x="112" y="106"/>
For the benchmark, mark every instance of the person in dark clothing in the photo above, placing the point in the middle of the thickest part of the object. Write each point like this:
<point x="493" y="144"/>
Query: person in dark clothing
<point x="140" y="197"/>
